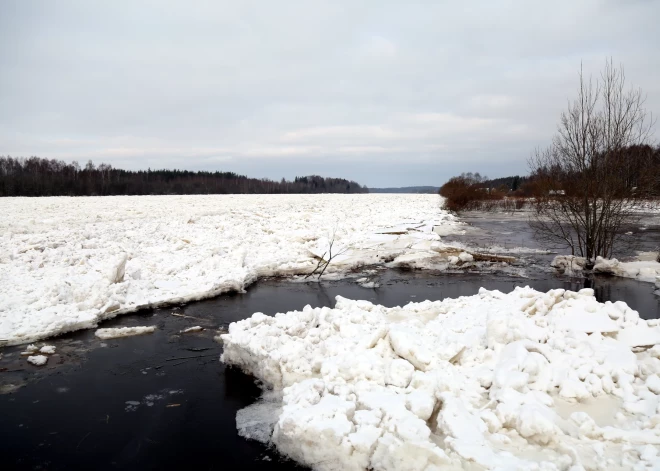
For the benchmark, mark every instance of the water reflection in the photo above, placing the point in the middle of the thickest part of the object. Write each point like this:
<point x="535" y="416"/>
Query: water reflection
<point x="638" y="295"/>
<point x="602" y="289"/>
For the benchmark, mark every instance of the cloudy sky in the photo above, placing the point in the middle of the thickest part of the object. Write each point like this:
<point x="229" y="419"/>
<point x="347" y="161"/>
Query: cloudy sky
<point x="389" y="93"/>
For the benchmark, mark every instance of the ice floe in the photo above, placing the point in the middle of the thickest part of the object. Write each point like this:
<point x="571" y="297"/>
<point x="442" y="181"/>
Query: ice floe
<point x="37" y="360"/>
<point x="48" y="349"/>
<point x="118" y="332"/>
<point x="196" y="328"/>
<point x="524" y="380"/>
<point x="68" y="263"/>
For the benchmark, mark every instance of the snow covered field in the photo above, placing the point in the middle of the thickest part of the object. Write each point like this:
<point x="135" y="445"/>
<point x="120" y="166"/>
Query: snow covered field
<point x="67" y="263"/>
<point x="524" y="380"/>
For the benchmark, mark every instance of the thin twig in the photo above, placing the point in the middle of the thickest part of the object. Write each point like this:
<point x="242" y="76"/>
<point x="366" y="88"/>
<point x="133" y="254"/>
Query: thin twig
<point x="321" y="260"/>
<point x="83" y="439"/>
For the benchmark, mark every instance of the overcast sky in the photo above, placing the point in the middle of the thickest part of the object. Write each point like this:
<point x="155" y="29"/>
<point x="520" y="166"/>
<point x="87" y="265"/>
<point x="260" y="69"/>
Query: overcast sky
<point x="388" y="93"/>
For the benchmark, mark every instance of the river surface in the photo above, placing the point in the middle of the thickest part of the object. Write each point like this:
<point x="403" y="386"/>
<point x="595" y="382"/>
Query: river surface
<point x="511" y="231"/>
<point x="164" y="401"/>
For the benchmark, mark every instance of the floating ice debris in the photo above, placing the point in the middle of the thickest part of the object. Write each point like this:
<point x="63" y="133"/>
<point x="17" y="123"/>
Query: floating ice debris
<point x="38" y="360"/>
<point x="192" y="329"/>
<point x="118" y="332"/>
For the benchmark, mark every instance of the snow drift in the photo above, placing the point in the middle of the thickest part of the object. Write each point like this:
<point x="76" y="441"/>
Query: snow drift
<point x="68" y="263"/>
<point x="524" y="380"/>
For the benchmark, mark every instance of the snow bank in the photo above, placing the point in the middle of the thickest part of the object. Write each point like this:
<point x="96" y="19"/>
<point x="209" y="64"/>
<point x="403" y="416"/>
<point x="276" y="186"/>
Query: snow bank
<point x="67" y="263"/>
<point x="524" y="380"/>
<point x="105" y="334"/>
<point x="642" y="270"/>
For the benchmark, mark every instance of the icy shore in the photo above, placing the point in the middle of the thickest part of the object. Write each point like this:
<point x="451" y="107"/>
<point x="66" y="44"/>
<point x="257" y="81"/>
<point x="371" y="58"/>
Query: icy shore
<point x="68" y="263"/>
<point x="646" y="268"/>
<point x="524" y="380"/>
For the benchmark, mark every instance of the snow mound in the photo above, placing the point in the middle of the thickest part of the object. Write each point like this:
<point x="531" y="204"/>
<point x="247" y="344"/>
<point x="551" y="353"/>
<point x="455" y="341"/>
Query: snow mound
<point x="105" y="334"/>
<point x="37" y="360"/>
<point x="491" y="381"/>
<point x="69" y="263"/>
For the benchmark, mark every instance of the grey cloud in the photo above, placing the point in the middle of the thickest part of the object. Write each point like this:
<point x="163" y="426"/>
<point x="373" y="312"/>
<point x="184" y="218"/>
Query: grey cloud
<point x="387" y="93"/>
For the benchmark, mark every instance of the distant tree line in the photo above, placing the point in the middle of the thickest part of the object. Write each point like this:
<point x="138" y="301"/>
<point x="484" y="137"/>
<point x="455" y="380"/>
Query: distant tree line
<point x="406" y="189"/>
<point x="636" y="167"/>
<point x="513" y="183"/>
<point x="36" y="176"/>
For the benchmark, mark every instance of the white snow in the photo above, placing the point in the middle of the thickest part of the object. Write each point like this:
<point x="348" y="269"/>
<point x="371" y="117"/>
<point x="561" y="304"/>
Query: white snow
<point x="113" y="333"/>
<point x="47" y="349"/>
<point x="68" y="263"/>
<point x="640" y="336"/>
<point x="641" y="270"/>
<point x="37" y="360"/>
<point x="524" y="380"/>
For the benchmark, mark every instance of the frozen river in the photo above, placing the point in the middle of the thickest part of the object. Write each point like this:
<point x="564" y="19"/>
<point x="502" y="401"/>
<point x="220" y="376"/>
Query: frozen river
<point x="77" y="413"/>
<point x="165" y="401"/>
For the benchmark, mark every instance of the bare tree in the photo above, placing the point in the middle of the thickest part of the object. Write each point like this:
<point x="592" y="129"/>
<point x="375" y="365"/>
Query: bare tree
<point x="585" y="192"/>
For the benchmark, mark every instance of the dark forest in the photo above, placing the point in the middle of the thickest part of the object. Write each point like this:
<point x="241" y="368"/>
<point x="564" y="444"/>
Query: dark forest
<point x="36" y="176"/>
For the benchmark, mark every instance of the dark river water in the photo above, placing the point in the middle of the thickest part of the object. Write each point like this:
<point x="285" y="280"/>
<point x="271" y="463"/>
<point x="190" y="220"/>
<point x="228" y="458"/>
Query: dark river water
<point x="164" y="401"/>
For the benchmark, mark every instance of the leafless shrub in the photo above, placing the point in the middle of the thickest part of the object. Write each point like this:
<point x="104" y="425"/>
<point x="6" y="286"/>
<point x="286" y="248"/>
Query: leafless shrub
<point x="325" y="259"/>
<point x="467" y="193"/>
